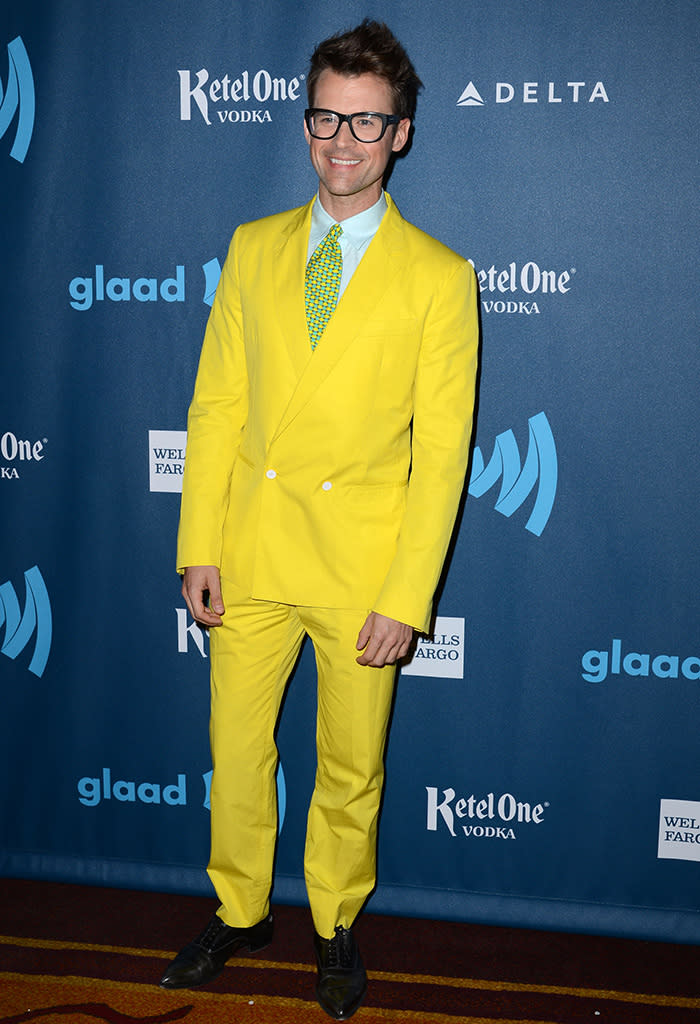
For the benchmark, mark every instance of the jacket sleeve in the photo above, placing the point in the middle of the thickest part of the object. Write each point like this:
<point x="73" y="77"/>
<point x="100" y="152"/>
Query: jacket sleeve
<point x="216" y="419"/>
<point x="444" y="398"/>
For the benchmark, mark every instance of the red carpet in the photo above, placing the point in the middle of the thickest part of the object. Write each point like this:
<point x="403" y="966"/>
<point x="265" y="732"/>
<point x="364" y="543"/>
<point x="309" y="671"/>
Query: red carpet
<point x="79" y="954"/>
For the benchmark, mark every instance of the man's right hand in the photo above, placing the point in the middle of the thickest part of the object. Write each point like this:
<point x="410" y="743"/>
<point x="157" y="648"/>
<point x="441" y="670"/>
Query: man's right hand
<point x="198" y="583"/>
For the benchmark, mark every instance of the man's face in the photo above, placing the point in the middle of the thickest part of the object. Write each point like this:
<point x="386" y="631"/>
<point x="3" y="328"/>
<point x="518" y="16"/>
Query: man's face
<point x="351" y="172"/>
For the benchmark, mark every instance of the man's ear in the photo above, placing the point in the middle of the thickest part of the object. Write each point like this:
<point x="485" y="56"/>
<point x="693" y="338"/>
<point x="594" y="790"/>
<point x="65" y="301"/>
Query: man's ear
<point x="401" y="134"/>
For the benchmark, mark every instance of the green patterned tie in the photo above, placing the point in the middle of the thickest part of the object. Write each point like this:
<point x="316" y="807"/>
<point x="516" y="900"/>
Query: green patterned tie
<point x="323" y="272"/>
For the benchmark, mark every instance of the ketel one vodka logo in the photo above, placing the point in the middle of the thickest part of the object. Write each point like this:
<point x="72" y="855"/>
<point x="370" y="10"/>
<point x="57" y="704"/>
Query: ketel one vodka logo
<point x="15" y="451"/>
<point x="484" y="817"/>
<point x="35" y="621"/>
<point x="244" y="99"/>
<point x="502" y="288"/>
<point x="17" y="98"/>
<point x="538" y="471"/>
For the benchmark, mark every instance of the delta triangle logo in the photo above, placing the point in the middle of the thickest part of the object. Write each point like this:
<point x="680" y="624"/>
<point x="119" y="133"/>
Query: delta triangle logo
<point x="470" y="97"/>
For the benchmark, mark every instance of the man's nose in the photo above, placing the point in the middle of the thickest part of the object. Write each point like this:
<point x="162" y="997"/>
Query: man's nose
<point x="344" y="134"/>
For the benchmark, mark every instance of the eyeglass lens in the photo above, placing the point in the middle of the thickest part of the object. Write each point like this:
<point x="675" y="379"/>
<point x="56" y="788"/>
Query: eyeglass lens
<point x="366" y="127"/>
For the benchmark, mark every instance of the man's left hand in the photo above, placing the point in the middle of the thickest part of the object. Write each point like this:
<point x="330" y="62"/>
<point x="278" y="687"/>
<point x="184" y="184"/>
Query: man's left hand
<point x="383" y="640"/>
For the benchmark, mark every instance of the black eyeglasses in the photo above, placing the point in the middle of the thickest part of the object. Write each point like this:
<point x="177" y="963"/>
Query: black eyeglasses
<point x="366" y="126"/>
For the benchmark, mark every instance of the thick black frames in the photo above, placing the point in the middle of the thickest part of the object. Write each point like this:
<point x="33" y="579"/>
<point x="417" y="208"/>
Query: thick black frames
<point x="330" y="126"/>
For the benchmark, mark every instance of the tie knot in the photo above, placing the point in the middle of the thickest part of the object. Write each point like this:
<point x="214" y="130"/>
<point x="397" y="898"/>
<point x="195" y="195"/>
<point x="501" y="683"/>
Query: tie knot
<point x="334" y="233"/>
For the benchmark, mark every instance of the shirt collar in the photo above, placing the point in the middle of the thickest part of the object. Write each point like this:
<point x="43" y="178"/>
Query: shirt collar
<point x="357" y="230"/>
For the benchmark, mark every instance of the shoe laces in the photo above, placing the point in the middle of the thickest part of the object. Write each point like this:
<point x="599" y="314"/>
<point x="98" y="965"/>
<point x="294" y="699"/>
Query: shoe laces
<point x="211" y="933"/>
<point x="340" y="948"/>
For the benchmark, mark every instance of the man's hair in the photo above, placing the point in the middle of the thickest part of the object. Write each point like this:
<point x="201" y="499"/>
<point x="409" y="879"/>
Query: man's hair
<point x="371" y="48"/>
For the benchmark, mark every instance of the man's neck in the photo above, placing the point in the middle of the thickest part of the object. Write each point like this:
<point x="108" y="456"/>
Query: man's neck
<point x="340" y="208"/>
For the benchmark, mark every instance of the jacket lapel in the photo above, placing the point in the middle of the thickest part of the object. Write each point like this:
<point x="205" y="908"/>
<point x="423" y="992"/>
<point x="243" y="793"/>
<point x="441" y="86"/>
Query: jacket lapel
<point x="290" y="261"/>
<point x="379" y="265"/>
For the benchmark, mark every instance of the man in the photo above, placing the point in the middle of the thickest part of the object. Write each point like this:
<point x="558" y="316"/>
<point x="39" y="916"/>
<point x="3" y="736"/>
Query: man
<point x="325" y="461"/>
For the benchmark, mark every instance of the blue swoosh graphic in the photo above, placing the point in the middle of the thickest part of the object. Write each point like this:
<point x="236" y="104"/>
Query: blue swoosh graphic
<point x="20" y="94"/>
<point x="37" y="616"/>
<point x="540" y="469"/>
<point x="212" y="273"/>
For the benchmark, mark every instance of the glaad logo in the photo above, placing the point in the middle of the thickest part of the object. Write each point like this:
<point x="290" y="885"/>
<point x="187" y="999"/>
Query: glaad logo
<point x="441" y="653"/>
<point x="488" y="817"/>
<point x="679" y="830"/>
<point x="516" y="483"/>
<point x="18" y="98"/>
<point x="512" y="281"/>
<point x="15" y="451"/>
<point x="166" y="459"/>
<point x="36" y="619"/>
<point x="536" y="92"/>
<point x="86" y="290"/>
<point x="227" y="93"/>
<point x="597" y="664"/>
<point x="281" y="795"/>
<point x="91" y="791"/>
<point x="191" y="631"/>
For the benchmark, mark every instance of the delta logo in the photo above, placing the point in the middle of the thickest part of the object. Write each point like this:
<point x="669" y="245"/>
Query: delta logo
<point x="550" y="93"/>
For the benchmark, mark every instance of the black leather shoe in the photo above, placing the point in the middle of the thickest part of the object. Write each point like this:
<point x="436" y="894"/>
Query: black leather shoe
<point x="204" y="959"/>
<point x="342" y="979"/>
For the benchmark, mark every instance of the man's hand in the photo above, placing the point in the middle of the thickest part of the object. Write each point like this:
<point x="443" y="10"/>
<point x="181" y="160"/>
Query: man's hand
<point x="197" y="582"/>
<point x="383" y="640"/>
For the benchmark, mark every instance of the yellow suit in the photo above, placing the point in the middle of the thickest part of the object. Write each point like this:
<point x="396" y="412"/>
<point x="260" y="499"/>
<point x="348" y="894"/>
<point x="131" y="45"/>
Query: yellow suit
<point x="316" y="481"/>
<point x="338" y="524"/>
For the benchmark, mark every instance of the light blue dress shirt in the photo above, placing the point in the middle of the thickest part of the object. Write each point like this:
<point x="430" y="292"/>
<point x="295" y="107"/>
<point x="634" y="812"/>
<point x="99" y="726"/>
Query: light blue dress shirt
<point x="358" y="232"/>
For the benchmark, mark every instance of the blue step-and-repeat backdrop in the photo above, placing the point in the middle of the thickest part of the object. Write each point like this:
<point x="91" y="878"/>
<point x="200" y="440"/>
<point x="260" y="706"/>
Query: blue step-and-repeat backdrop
<point x="543" y="764"/>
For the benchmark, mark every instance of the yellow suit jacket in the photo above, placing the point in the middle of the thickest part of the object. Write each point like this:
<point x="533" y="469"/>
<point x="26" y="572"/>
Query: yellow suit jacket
<point x="332" y="478"/>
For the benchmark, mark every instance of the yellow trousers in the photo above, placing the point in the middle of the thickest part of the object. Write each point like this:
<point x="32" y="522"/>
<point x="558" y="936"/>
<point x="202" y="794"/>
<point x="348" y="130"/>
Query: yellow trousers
<point x="252" y="655"/>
